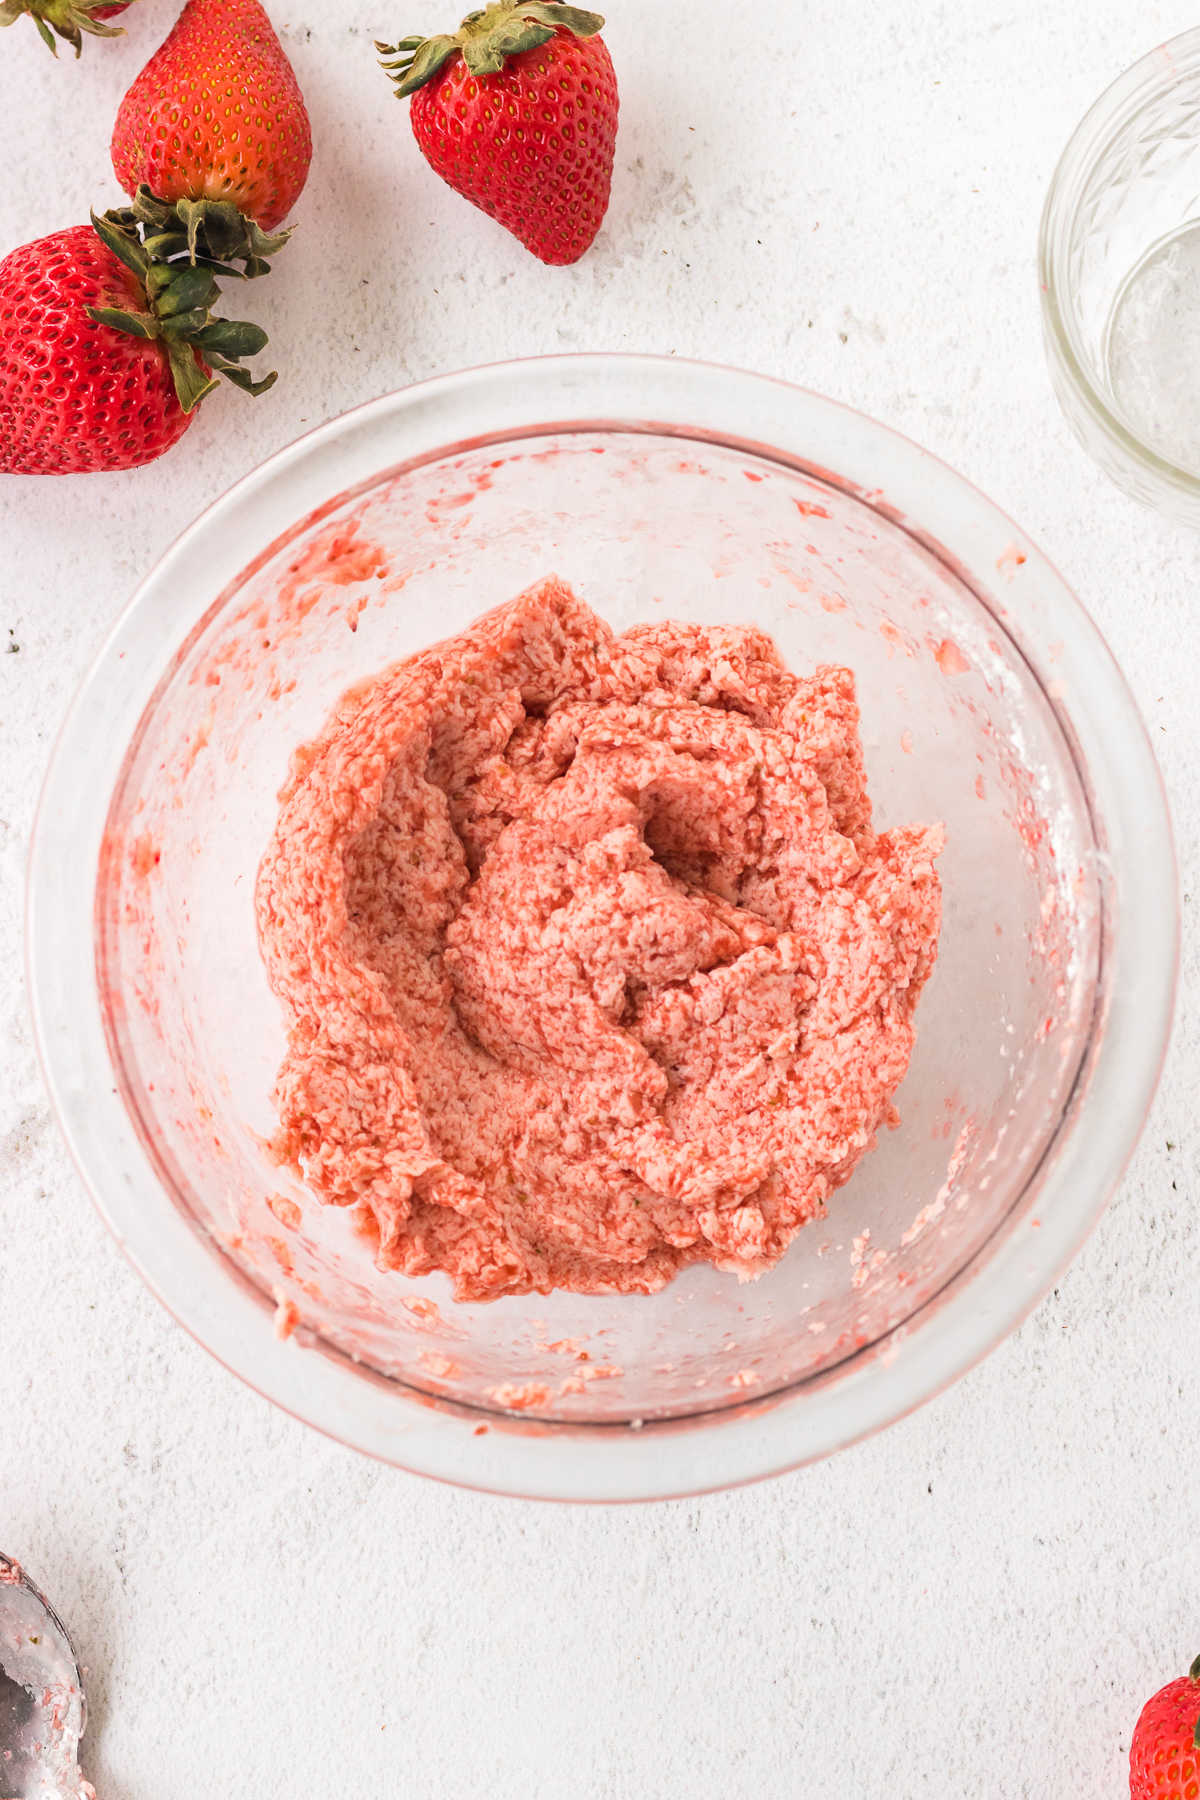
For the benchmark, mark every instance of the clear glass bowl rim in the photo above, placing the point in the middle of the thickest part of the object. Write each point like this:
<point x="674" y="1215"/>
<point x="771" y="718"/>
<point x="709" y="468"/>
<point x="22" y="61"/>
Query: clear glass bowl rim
<point x="1115" y="105"/>
<point x="873" y="1387"/>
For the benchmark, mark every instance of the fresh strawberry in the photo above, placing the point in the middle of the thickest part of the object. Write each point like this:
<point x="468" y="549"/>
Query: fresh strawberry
<point x="107" y="339"/>
<point x="1164" y="1757"/>
<point x="76" y="395"/>
<point x="518" y="112"/>
<point x="66" y="19"/>
<point x="217" y="114"/>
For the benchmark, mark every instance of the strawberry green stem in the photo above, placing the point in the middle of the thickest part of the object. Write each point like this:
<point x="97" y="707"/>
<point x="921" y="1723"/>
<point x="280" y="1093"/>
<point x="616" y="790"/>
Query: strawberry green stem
<point x="65" y="19"/>
<point x="177" y="252"/>
<point x="485" y="40"/>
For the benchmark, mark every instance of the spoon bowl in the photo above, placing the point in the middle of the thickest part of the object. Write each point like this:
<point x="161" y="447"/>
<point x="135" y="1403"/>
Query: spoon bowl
<point x="43" y="1711"/>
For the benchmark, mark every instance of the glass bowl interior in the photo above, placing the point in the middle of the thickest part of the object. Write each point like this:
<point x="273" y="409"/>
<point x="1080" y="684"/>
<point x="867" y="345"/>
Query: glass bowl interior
<point x="988" y="702"/>
<point x="957" y="728"/>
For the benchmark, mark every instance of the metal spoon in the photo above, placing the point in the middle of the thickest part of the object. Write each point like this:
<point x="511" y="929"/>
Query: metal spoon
<point x="42" y="1707"/>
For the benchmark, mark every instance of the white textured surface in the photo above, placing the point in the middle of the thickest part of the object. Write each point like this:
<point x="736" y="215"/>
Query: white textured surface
<point x="845" y="193"/>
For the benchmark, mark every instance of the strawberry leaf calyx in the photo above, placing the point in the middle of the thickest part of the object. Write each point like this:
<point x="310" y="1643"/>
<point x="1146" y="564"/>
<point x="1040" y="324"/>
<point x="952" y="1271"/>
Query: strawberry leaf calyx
<point x="414" y="61"/>
<point x="485" y="40"/>
<point x="213" y="232"/>
<point x="61" y="19"/>
<point x="177" y="253"/>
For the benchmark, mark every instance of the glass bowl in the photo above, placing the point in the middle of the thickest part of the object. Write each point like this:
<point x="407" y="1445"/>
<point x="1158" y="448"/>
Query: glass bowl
<point x="1120" y="279"/>
<point x="657" y="488"/>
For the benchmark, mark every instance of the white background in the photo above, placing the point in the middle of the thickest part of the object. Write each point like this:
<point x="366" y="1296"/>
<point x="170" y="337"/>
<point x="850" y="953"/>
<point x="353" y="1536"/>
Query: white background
<point x="845" y="193"/>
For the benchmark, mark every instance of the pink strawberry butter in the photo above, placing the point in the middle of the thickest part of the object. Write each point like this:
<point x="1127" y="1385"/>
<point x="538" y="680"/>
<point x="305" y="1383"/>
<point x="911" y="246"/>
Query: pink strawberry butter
<point x="592" y="963"/>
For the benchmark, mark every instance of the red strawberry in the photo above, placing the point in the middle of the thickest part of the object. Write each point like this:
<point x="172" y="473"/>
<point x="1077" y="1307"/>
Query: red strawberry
<point x="76" y="395"/>
<point x="518" y="112"/>
<point x="1164" y="1757"/>
<point x="107" y="346"/>
<point x="67" y="19"/>
<point x="217" y="114"/>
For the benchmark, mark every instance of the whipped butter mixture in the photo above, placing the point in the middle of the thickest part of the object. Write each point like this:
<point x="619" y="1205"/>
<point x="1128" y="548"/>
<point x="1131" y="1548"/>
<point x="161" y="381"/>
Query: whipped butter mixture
<point x="592" y="962"/>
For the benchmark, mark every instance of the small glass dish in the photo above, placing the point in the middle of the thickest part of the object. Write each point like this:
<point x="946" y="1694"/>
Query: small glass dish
<point x="660" y="488"/>
<point x="1120" y="279"/>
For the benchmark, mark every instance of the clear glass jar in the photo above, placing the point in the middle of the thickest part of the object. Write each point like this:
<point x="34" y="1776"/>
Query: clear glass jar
<point x="1120" y="279"/>
<point x="989" y="701"/>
